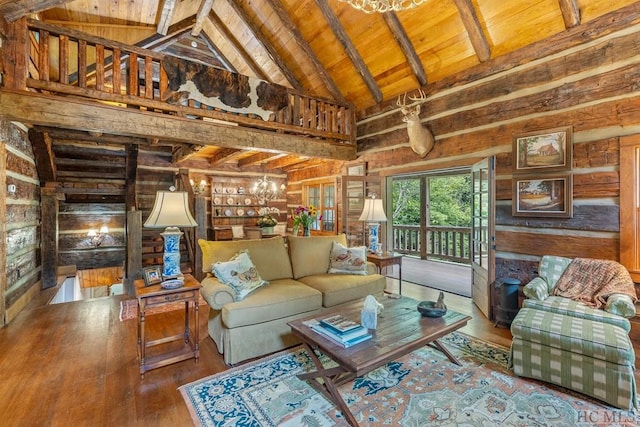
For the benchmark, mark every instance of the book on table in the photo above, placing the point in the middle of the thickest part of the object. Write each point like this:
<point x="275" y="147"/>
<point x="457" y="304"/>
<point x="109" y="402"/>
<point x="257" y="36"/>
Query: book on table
<point x="348" y="339"/>
<point x="340" y="324"/>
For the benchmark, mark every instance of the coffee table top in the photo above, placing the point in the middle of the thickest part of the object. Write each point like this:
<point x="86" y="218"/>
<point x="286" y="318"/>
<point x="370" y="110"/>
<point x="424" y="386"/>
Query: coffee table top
<point x="401" y="330"/>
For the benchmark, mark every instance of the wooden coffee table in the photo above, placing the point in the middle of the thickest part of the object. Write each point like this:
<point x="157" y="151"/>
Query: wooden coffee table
<point x="401" y="330"/>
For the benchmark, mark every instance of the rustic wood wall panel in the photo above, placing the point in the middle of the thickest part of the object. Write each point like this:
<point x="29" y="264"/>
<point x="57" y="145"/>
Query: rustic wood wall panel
<point x="20" y="234"/>
<point x="590" y="87"/>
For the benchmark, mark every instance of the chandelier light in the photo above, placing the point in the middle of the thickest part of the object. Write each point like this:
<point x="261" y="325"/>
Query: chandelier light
<point x="264" y="190"/>
<point x="382" y="6"/>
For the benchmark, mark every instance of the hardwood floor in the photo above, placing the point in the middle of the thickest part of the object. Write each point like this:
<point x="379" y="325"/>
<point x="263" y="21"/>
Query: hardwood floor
<point x="76" y="364"/>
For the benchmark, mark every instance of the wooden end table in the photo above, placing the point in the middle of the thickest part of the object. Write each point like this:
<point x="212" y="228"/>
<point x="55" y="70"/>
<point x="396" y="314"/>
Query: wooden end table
<point x="385" y="260"/>
<point x="401" y="329"/>
<point x="156" y="296"/>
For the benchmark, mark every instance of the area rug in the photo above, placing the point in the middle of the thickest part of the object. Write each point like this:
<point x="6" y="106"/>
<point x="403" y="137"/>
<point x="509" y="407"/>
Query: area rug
<point x="129" y="308"/>
<point x="420" y="389"/>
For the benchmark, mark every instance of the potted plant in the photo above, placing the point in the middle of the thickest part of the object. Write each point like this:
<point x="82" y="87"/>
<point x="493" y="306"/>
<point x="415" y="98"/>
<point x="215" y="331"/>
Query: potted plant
<point x="266" y="221"/>
<point x="304" y="216"/>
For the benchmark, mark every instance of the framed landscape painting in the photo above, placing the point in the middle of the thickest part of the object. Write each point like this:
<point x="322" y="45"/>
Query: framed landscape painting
<point x="548" y="150"/>
<point x="547" y="196"/>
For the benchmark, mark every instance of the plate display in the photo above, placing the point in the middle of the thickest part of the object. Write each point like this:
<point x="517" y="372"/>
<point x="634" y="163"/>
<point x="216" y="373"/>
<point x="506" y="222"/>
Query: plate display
<point x="240" y="212"/>
<point x="228" y="212"/>
<point x="247" y="201"/>
<point x="251" y="212"/>
<point x="216" y="200"/>
<point x="218" y="190"/>
<point x="230" y="201"/>
<point x="231" y="190"/>
<point x="172" y="284"/>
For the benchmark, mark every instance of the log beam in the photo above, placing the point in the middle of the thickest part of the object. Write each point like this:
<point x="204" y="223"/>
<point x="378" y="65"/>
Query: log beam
<point x="47" y="110"/>
<point x="44" y="156"/>
<point x="203" y="12"/>
<point x="13" y="10"/>
<point x="166" y="15"/>
<point x="474" y="30"/>
<point x="570" y="13"/>
<point x="407" y="47"/>
<point x="49" y="235"/>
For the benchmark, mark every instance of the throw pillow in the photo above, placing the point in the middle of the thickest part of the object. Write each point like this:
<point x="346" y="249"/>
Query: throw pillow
<point x="620" y="304"/>
<point x="240" y="274"/>
<point x="343" y="260"/>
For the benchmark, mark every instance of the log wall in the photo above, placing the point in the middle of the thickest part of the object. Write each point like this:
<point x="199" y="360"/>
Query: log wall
<point x="591" y="87"/>
<point x="20" y="229"/>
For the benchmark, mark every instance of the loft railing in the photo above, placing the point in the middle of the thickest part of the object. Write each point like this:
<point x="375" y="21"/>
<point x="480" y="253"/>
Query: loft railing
<point x="69" y="62"/>
<point x="442" y="243"/>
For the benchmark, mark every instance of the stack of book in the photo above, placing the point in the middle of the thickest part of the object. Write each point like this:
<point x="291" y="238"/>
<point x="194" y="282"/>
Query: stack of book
<point x="340" y="330"/>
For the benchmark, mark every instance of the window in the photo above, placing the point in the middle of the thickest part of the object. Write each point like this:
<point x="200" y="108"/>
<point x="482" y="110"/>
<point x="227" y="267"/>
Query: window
<point x="322" y="195"/>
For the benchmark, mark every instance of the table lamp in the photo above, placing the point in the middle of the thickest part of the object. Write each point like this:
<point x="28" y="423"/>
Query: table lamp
<point x="170" y="211"/>
<point x="373" y="215"/>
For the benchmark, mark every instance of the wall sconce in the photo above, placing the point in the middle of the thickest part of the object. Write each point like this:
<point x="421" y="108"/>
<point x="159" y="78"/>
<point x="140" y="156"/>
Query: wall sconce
<point x="96" y="238"/>
<point x="200" y="187"/>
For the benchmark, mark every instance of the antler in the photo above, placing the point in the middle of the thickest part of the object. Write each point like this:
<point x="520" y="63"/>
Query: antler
<point x="416" y="99"/>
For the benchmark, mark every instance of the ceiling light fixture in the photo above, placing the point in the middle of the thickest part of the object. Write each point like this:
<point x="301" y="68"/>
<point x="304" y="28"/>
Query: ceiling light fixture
<point x="264" y="190"/>
<point x="382" y="6"/>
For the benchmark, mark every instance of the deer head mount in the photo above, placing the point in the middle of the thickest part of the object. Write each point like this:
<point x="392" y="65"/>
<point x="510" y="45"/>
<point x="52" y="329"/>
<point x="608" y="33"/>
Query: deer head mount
<point x="421" y="139"/>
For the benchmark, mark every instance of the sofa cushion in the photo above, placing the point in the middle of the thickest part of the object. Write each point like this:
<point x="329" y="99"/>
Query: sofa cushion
<point x="239" y="273"/>
<point x="599" y="340"/>
<point x="310" y="255"/>
<point x="268" y="255"/>
<point x="346" y="260"/>
<point x="620" y="305"/>
<point x="551" y="268"/>
<point x="340" y="288"/>
<point x="281" y="299"/>
<point x="573" y="308"/>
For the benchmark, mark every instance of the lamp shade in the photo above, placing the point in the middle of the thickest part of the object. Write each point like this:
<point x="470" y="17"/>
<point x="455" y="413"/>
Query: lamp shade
<point x="170" y="209"/>
<point x="373" y="211"/>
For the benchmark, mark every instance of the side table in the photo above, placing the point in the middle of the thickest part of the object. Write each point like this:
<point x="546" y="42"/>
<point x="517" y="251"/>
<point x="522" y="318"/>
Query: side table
<point x="385" y="260"/>
<point x="156" y="296"/>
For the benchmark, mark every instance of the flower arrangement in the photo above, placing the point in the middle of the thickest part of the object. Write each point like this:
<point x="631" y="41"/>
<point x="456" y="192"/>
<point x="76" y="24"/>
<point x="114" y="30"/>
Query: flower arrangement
<point x="266" y="220"/>
<point x="304" y="216"/>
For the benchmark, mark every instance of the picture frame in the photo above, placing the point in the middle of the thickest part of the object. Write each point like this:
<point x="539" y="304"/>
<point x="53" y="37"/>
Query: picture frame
<point x="544" y="196"/>
<point x="548" y="150"/>
<point x="152" y="275"/>
<point x="357" y="169"/>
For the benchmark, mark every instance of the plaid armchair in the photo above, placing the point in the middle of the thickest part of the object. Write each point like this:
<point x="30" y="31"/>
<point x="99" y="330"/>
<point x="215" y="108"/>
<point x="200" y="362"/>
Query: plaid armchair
<point x="565" y="342"/>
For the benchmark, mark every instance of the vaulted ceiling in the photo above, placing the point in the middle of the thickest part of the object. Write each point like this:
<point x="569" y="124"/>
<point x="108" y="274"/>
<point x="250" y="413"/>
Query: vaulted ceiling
<point x="325" y="47"/>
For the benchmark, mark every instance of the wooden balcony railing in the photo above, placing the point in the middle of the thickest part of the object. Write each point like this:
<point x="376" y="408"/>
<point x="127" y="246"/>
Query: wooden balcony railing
<point x="69" y="62"/>
<point x="443" y="243"/>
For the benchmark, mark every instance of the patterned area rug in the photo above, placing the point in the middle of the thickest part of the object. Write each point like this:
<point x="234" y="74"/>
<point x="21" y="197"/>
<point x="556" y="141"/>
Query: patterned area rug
<point x="129" y="308"/>
<point x="420" y="389"/>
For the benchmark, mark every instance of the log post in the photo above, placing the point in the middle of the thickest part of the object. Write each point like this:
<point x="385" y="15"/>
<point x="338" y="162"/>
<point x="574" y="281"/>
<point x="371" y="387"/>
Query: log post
<point x="49" y="235"/>
<point x="200" y="233"/>
<point x="15" y="56"/>
<point x="134" y="250"/>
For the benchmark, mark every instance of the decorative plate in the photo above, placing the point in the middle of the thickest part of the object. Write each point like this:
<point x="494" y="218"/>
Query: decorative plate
<point x="228" y="212"/>
<point x="172" y="284"/>
<point x="217" y="200"/>
<point x="251" y="212"/>
<point x="218" y="190"/>
<point x="230" y="201"/>
<point x="247" y="201"/>
<point x="240" y="212"/>
<point x="231" y="190"/>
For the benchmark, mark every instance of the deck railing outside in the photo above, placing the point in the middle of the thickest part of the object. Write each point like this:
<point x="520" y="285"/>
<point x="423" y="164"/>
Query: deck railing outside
<point x="69" y="62"/>
<point x="442" y="243"/>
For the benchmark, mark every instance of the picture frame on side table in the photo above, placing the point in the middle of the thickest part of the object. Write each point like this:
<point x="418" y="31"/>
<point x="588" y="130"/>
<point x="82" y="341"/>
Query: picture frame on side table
<point x="543" y="151"/>
<point x="543" y="196"/>
<point x="152" y="275"/>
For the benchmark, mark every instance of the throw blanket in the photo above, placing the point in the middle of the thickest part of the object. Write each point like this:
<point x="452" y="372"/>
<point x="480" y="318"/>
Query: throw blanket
<point x="592" y="281"/>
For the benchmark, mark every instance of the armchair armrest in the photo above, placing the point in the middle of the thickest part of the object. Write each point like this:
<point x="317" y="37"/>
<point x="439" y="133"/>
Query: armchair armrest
<point x="216" y="293"/>
<point x="371" y="268"/>
<point x="536" y="289"/>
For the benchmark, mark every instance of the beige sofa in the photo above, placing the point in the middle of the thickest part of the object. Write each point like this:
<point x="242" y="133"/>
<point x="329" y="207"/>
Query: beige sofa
<point x="299" y="286"/>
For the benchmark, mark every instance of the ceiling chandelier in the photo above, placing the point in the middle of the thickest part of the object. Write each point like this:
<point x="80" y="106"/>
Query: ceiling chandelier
<point x="382" y="6"/>
<point x="264" y="190"/>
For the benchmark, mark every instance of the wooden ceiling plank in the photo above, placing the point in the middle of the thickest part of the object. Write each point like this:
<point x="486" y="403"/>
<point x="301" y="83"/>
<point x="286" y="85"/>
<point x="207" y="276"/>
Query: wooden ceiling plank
<point x="237" y="46"/>
<point x="407" y="47"/>
<point x="296" y="35"/>
<point x="46" y="110"/>
<point x="185" y="152"/>
<point x="285" y="161"/>
<point x="474" y="29"/>
<point x="260" y="37"/>
<point x="203" y="13"/>
<point x="350" y="49"/>
<point x="156" y="41"/>
<point x="13" y="10"/>
<point x="258" y="158"/>
<point x="44" y="155"/>
<point x="218" y="53"/>
<point x="166" y="16"/>
<point x="570" y="13"/>
<point x="223" y="155"/>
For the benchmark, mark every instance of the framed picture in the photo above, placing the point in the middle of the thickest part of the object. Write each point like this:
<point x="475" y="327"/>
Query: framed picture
<point x="357" y="169"/>
<point x="152" y="275"/>
<point x="548" y="150"/>
<point x="543" y="196"/>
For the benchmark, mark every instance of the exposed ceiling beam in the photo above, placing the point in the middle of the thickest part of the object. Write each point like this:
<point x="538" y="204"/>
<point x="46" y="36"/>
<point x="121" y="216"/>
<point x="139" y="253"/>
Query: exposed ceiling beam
<point x="185" y="152"/>
<point x="43" y="155"/>
<point x="45" y="110"/>
<point x="285" y="161"/>
<point x="260" y="37"/>
<point x="237" y="47"/>
<point x="258" y="158"/>
<point x="350" y="49"/>
<point x="58" y="134"/>
<point x="570" y="13"/>
<point x="166" y="16"/>
<point x="293" y="30"/>
<point x="12" y="10"/>
<point x="203" y="12"/>
<point x="407" y="47"/>
<point x="156" y="41"/>
<point x="223" y="155"/>
<point x="474" y="29"/>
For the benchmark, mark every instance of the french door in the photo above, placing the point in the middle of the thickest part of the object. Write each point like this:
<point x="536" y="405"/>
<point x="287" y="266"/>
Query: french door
<point x="483" y="234"/>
